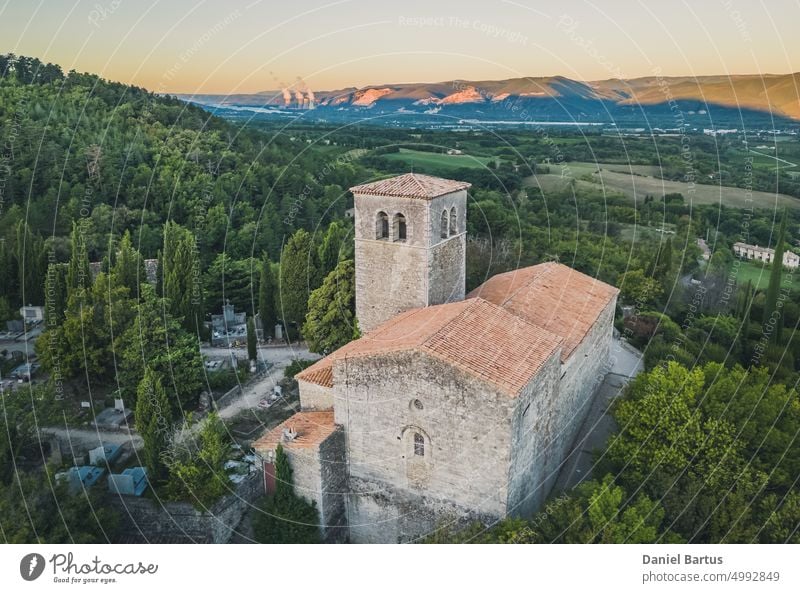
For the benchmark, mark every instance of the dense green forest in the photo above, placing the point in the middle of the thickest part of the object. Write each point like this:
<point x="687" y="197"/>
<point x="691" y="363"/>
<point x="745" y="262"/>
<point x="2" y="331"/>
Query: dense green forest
<point x="95" y="172"/>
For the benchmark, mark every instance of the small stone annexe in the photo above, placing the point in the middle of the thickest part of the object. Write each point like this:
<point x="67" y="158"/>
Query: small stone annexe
<point x="451" y="407"/>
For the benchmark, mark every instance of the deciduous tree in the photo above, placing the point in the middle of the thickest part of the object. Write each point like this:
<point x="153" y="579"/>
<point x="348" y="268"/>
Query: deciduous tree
<point x="331" y="320"/>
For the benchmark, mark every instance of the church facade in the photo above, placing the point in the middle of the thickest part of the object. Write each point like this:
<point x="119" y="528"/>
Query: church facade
<point x="451" y="407"/>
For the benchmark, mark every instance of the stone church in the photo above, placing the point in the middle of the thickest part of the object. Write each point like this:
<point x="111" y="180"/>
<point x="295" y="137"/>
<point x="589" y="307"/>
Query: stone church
<point x="451" y="407"/>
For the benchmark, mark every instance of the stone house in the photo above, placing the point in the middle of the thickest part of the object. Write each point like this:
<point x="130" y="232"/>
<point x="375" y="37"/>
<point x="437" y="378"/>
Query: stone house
<point x="450" y="407"/>
<point x="764" y="254"/>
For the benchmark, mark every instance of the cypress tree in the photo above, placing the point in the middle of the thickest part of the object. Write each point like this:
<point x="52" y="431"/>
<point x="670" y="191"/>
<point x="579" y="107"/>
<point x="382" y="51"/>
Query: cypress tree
<point x="333" y="248"/>
<point x="252" y="349"/>
<point x="55" y="294"/>
<point x="8" y="274"/>
<point x="128" y="269"/>
<point x="31" y="265"/>
<point x="79" y="274"/>
<point x="181" y="277"/>
<point x="666" y="262"/>
<point x="662" y="262"/>
<point x="771" y="303"/>
<point x="266" y="297"/>
<point x="153" y="422"/>
<point x="298" y="276"/>
<point x="160" y="274"/>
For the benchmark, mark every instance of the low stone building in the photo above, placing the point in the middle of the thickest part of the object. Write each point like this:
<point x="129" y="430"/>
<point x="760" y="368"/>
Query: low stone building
<point x="452" y="407"/>
<point x="764" y="254"/>
<point x="314" y="446"/>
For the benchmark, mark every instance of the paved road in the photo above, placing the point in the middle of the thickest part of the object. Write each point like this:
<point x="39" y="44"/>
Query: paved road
<point x="270" y="354"/>
<point x="83" y="439"/>
<point x="280" y="358"/>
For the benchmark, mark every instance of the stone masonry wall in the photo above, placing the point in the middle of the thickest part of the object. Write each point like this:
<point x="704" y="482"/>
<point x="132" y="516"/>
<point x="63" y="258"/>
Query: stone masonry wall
<point x="390" y="279"/>
<point x="457" y="200"/>
<point x="447" y="271"/>
<point x="146" y="520"/>
<point x="391" y="276"/>
<point x="320" y="476"/>
<point x="532" y="429"/>
<point x="306" y="472"/>
<point x="465" y="424"/>
<point x="582" y="374"/>
<point x="395" y="276"/>
<point x="315" y="397"/>
<point x="332" y="505"/>
<point x="380" y="515"/>
<point x="447" y="257"/>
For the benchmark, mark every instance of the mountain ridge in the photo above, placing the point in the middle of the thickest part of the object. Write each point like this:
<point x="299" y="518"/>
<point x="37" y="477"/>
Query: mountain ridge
<point x="777" y="95"/>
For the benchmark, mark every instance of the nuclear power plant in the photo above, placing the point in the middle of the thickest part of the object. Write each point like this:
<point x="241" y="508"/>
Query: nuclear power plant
<point x="298" y="98"/>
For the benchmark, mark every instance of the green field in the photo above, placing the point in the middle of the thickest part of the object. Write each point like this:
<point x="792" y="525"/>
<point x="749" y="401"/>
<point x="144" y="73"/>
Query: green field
<point x="758" y="274"/>
<point x="434" y="162"/>
<point x="639" y="232"/>
<point x="637" y="181"/>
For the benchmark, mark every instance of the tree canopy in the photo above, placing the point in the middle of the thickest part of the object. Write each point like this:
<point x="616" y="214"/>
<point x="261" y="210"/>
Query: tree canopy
<point x="331" y="319"/>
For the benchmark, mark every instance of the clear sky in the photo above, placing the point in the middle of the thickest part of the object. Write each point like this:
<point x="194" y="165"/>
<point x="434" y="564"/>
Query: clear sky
<point x="240" y="47"/>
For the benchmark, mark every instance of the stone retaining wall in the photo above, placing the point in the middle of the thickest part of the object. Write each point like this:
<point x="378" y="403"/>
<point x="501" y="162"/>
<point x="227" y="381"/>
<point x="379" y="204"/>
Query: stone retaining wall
<point x="146" y="520"/>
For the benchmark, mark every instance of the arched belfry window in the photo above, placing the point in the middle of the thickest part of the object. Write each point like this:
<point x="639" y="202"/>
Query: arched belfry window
<point x="453" y="221"/>
<point x="419" y="444"/>
<point x="382" y="226"/>
<point x="443" y="225"/>
<point x="399" y="227"/>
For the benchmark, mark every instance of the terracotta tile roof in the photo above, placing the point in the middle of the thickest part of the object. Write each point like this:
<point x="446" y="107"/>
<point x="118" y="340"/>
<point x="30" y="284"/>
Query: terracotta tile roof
<point x="476" y="336"/>
<point x="551" y="296"/>
<point x="319" y="373"/>
<point x="312" y="428"/>
<point x="403" y="331"/>
<point x="502" y="333"/>
<point x="411" y="185"/>
<point x="498" y="347"/>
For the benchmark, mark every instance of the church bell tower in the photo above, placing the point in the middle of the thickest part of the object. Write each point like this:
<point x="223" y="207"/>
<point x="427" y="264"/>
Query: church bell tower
<point x="410" y="245"/>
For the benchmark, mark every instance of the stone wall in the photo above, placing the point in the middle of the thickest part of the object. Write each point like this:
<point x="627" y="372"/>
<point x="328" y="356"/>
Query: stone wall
<point x="146" y="520"/>
<point x="319" y="474"/>
<point x="532" y="430"/>
<point x="415" y="212"/>
<point x="379" y="514"/>
<point x="332" y="499"/>
<point x="395" y="276"/>
<point x="457" y="200"/>
<point x="306" y="472"/>
<point x="390" y="278"/>
<point x="465" y="425"/>
<point x="447" y="271"/>
<point x="315" y="397"/>
<point x="582" y="374"/>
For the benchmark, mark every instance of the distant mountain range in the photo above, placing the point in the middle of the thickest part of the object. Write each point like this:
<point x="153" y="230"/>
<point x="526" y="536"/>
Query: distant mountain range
<point x="704" y="100"/>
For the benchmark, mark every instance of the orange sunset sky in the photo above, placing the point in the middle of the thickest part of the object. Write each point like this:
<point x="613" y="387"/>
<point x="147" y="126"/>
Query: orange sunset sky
<point x="242" y="47"/>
